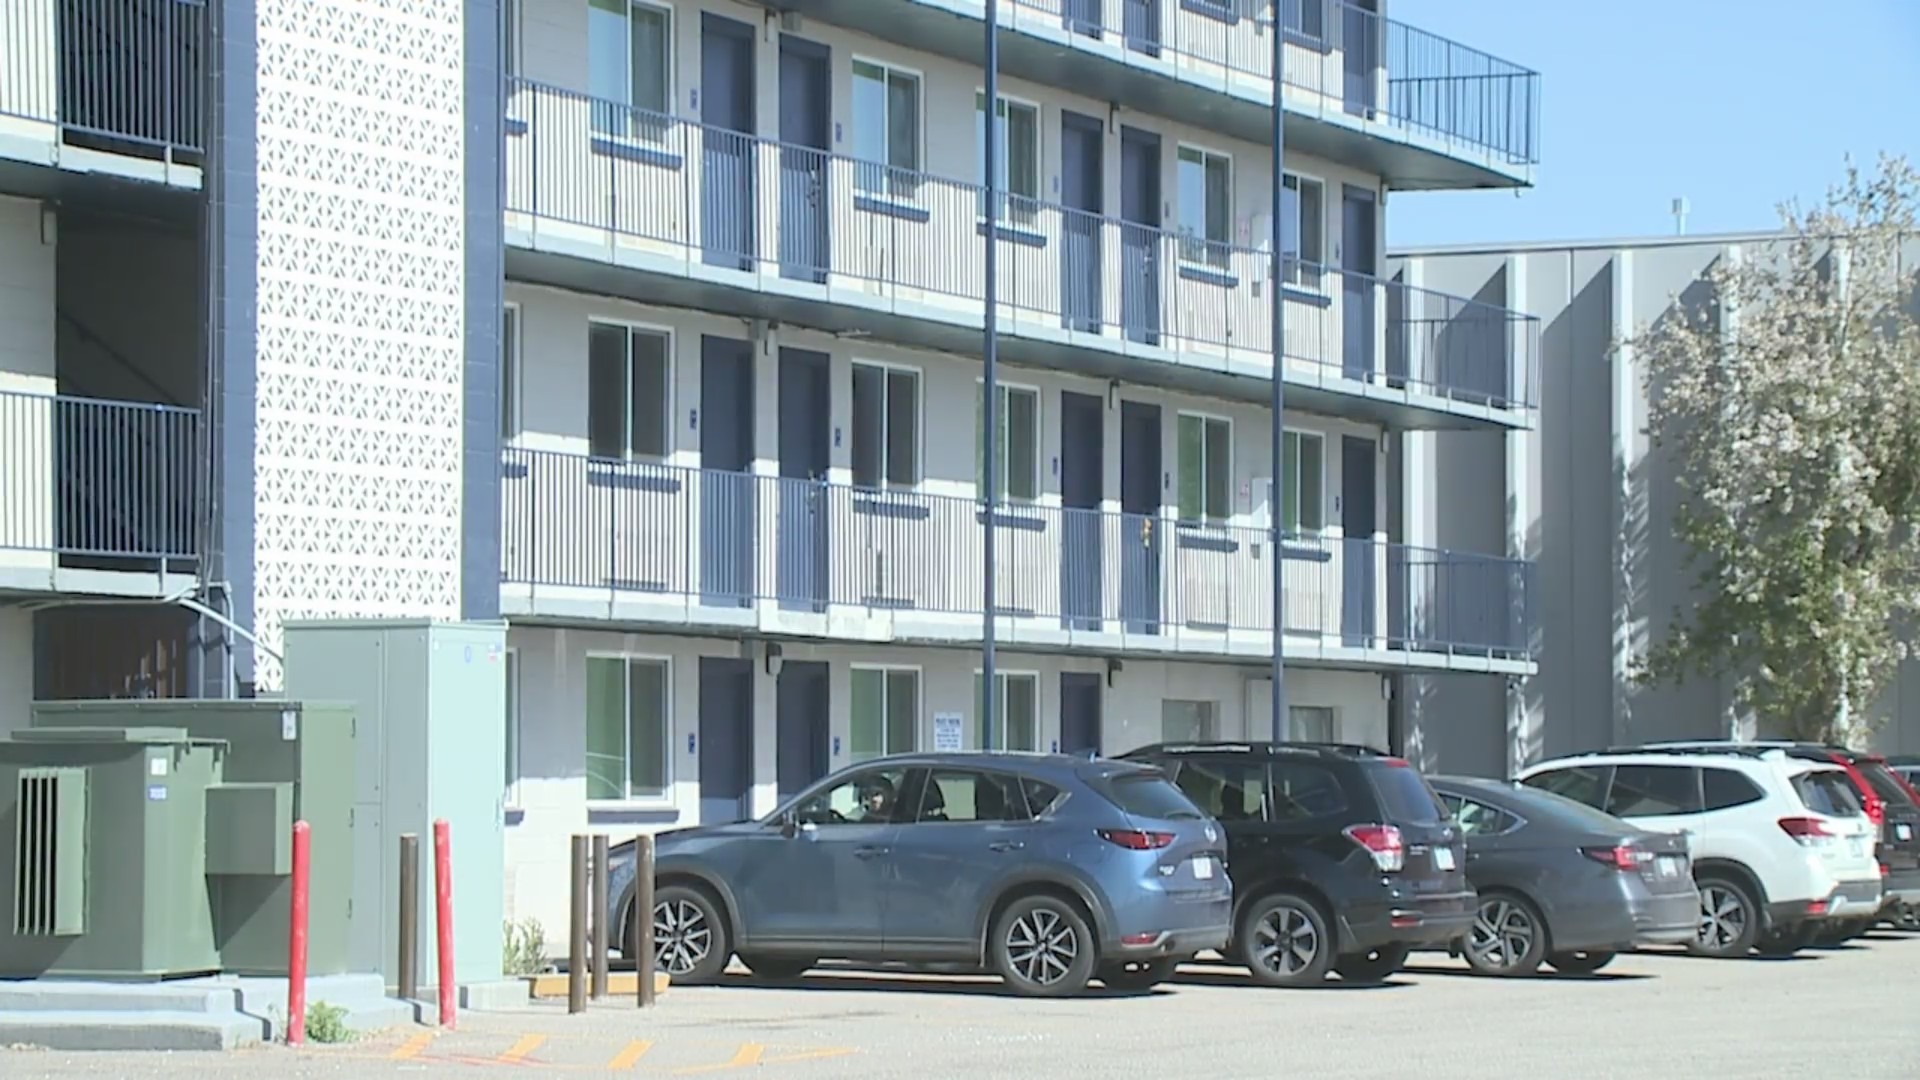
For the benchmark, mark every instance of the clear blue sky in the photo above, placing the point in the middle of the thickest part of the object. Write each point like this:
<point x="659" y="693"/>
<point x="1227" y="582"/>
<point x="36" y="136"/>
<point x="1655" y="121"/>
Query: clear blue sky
<point x="1736" y="104"/>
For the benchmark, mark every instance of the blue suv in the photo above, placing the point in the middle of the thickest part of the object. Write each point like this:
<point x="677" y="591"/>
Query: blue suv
<point x="1048" y="870"/>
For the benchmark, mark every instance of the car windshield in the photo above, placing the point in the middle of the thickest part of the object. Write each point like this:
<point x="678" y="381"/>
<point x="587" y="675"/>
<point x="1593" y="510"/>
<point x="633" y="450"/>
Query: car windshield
<point x="1146" y="793"/>
<point x="1828" y="791"/>
<point x="1539" y="802"/>
<point x="1883" y="783"/>
<point x="1405" y="796"/>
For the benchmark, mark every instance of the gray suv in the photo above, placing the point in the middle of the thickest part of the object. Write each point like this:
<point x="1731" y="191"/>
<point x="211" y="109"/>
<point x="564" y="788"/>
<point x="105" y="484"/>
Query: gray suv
<point x="1046" y="869"/>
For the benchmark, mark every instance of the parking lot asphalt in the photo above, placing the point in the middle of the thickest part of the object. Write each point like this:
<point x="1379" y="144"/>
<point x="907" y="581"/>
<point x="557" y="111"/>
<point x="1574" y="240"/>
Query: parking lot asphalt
<point x="1849" y="1011"/>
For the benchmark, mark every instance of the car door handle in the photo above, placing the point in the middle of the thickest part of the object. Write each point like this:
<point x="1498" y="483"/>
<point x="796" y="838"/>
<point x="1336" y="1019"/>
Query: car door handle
<point x="1006" y="845"/>
<point x="868" y="852"/>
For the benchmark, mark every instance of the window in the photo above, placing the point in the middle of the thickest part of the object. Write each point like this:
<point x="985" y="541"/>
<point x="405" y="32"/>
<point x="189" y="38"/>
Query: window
<point x="1017" y="460"/>
<point x="1228" y="789"/>
<point x="1303" y="501"/>
<point x="512" y="702"/>
<point x="1016" y="710"/>
<point x="886" y="712"/>
<point x="1303" y="207"/>
<point x="629" y="65"/>
<point x="1828" y="791"/>
<point x="627" y="728"/>
<point x="1205" y="186"/>
<point x="1654" y="790"/>
<point x="627" y="390"/>
<point x="510" y="38"/>
<point x="886" y="426"/>
<point x="1477" y="818"/>
<point x="1206" y="468"/>
<point x="1311" y="723"/>
<point x="1305" y="19"/>
<point x="963" y="795"/>
<point x="886" y="130"/>
<point x="868" y="797"/>
<point x="1303" y="790"/>
<point x="1041" y="796"/>
<point x="509" y="372"/>
<point x="1017" y="156"/>
<point x="1146" y="793"/>
<point x="1405" y="796"/>
<point x="1725" y="788"/>
<point x="1581" y="783"/>
<point x="1187" y="721"/>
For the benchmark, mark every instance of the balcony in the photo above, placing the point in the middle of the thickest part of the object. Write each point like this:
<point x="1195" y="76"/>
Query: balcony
<point x="586" y="539"/>
<point x="111" y="87"/>
<point x="1391" y="99"/>
<point x="97" y="496"/>
<point x="604" y="199"/>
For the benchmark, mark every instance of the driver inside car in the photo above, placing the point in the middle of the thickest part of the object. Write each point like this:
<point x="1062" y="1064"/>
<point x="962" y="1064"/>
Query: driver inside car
<point x="876" y="802"/>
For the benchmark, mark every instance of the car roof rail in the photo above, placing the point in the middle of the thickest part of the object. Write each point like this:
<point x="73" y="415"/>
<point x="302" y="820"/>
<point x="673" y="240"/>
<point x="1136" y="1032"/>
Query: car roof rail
<point x="1730" y="749"/>
<point x="1254" y="746"/>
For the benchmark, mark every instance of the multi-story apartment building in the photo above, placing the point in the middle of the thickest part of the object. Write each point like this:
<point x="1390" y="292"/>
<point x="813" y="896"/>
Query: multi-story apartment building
<point x="653" y="327"/>
<point x="1612" y="574"/>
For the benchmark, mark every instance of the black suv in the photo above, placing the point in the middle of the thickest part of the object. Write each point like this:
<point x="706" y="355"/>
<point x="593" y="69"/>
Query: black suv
<point x="1341" y="857"/>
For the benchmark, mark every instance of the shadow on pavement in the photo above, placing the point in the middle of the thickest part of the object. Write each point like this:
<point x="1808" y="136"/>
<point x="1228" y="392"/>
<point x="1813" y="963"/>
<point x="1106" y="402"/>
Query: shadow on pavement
<point x="1545" y="974"/>
<point x="1238" y="977"/>
<point x="858" y="980"/>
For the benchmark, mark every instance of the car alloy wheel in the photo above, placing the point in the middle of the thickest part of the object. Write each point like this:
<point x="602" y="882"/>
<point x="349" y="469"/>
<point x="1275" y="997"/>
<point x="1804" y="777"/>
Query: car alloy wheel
<point x="1507" y="937"/>
<point x="1284" y="941"/>
<point x="682" y="937"/>
<point x="1043" y="947"/>
<point x="1727" y="920"/>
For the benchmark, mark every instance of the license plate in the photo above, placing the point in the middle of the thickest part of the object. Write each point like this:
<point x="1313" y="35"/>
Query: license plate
<point x="1203" y="867"/>
<point x="1903" y="831"/>
<point x="1669" y="866"/>
<point x="1856" y="847"/>
<point x="1443" y="858"/>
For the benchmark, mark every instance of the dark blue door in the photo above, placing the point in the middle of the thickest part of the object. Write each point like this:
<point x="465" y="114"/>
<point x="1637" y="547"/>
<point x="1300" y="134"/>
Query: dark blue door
<point x="1358" y="296"/>
<point x="726" y="472"/>
<point x="1358" y="579"/>
<point x="1081" y="189"/>
<point x="801" y="718"/>
<point x="1360" y="48"/>
<point x="1079" y="712"/>
<point x="1140" y="540"/>
<point x="805" y="122"/>
<point x="1082" y="17"/>
<point x="726" y="739"/>
<point x="1140" y="235"/>
<point x="1140" y="20"/>
<point x="1082" y="443"/>
<point x="805" y="419"/>
<point x="726" y="142"/>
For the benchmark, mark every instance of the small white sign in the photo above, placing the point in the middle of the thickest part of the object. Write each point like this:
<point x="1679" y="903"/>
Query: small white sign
<point x="948" y="732"/>
<point x="289" y="725"/>
<point x="156" y="793"/>
<point x="157" y="766"/>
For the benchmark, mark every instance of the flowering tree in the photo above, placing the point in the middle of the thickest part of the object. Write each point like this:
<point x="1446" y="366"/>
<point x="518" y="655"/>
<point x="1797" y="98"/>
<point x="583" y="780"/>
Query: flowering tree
<point x="1791" y="401"/>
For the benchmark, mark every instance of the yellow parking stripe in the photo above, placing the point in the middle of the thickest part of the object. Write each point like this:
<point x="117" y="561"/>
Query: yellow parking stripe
<point x="748" y="1054"/>
<point x="518" y="1051"/>
<point x="412" y="1047"/>
<point x="809" y="1055"/>
<point x="627" y="1058"/>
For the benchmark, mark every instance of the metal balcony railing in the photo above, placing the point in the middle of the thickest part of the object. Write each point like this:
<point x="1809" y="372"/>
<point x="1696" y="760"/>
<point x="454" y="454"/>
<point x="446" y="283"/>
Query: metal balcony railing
<point x="1356" y="60"/>
<point x="98" y="480"/>
<point x="128" y="74"/>
<point x="728" y="540"/>
<point x="690" y="193"/>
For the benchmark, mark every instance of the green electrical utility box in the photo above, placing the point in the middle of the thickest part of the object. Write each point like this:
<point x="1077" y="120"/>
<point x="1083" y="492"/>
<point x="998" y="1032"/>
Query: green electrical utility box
<point x="431" y="701"/>
<point x="281" y="762"/>
<point x="101" y="839"/>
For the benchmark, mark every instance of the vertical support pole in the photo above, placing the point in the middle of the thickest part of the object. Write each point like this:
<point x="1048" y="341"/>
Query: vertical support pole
<point x="598" y="919"/>
<point x="443" y="916"/>
<point x="297" y="941"/>
<point x="990" y="381"/>
<point x="409" y="916"/>
<point x="577" y="929"/>
<point x="643" y="911"/>
<point x="1277" y="278"/>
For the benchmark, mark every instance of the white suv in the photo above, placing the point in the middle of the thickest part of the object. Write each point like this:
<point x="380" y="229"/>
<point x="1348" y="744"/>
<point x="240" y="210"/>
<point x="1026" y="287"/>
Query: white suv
<point x="1780" y="844"/>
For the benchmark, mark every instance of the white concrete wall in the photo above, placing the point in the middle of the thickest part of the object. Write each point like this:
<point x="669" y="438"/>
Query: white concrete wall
<point x="16" y="667"/>
<point x="549" y="802"/>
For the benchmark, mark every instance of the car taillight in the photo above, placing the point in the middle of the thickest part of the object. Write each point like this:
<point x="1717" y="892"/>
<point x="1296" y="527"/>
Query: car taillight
<point x="1137" y="839"/>
<point x="1622" y="857"/>
<point x="1808" y="831"/>
<point x="1383" y="843"/>
<point x="1870" y="800"/>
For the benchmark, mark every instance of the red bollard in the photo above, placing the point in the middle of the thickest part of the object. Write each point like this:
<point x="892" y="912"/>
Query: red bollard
<point x="297" y="942"/>
<point x="443" y="916"/>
